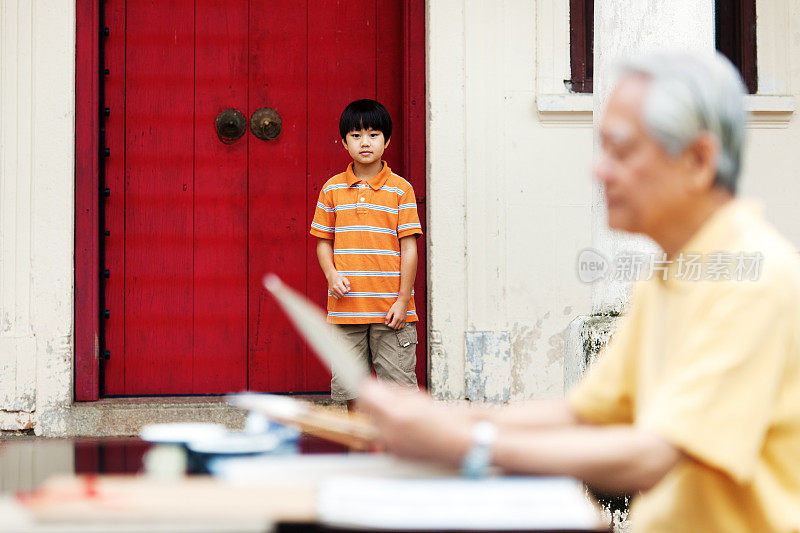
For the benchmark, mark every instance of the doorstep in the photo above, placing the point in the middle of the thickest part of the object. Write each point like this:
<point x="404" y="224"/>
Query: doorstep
<point x="124" y="417"/>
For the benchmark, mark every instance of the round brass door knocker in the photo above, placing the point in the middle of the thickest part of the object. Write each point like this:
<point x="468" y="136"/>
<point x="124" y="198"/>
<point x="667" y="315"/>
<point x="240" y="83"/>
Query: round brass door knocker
<point x="230" y="125"/>
<point x="265" y="124"/>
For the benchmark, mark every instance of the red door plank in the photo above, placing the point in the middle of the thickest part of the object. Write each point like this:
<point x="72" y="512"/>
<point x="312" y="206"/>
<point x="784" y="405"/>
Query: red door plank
<point x="277" y="189"/>
<point x="87" y="252"/>
<point x="414" y="154"/>
<point x="220" y="201"/>
<point x="391" y="90"/>
<point x="349" y="28"/>
<point x="389" y="76"/>
<point x="158" y="216"/>
<point x="115" y="204"/>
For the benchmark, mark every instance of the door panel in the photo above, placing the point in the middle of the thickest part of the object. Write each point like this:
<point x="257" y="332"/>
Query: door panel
<point x="195" y="223"/>
<point x="278" y="185"/>
<point x="114" y="223"/>
<point x="159" y="189"/>
<point x="347" y="72"/>
<point x="220" y="200"/>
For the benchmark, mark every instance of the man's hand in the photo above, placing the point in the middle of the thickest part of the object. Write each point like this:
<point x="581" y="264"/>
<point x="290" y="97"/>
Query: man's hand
<point x="412" y="425"/>
<point x="612" y="458"/>
<point x="338" y="285"/>
<point x="396" y="317"/>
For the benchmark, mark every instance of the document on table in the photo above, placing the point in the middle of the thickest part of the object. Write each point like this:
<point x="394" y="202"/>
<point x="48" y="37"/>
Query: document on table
<point x="507" y="503"/>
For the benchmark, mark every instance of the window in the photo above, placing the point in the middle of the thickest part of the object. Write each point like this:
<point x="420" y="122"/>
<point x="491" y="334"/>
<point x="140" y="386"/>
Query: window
<point x="581" y="45"/>
<point x="735" y="22"/>
<point x="735" y="31"/>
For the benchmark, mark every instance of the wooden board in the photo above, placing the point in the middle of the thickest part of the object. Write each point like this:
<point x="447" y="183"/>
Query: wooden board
<point x="159" y="144"/>
<point x="88" y="499"/>
<point x="219" y="349"/>
<point x="277" y="194"/>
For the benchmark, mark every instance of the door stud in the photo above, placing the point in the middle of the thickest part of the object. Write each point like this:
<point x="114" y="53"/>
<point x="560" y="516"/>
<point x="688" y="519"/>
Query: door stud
<point x="266" y="124"/>
<point x="230" y="125"/>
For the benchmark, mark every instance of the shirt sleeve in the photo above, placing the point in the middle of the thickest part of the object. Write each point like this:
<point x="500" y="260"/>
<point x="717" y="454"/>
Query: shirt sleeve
<point x="606" y="394"/>
<point x="408" y="219"/>
<point x="717" y="401"/>
<point x="324" y="223"/>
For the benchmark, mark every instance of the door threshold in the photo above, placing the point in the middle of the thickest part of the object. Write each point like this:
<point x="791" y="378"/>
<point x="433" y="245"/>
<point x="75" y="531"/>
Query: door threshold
<point x="125" y="416"/>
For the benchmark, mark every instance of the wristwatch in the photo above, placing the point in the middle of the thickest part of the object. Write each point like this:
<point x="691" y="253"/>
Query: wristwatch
<point x="479" y="456"/>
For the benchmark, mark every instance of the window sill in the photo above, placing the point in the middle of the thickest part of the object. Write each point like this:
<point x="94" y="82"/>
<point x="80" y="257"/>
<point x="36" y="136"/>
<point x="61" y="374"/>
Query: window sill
<point x="764" y="110"/>
<point x="565" y="109"/>
<point x="769" y="111"/>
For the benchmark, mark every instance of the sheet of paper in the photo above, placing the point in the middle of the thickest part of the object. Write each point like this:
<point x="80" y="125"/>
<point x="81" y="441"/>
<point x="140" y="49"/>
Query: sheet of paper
<point x="270" y="470"/>
<point x="507" y="503"/>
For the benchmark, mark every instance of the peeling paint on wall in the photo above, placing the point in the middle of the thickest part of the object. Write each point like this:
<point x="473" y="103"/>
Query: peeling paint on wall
<point x="16" y="421"/>
<point x="555" y="352"/>
<point x="585" y="338"/>
<point x="597" y="331"/>
<point x="488" y="366"/>
<point x="523" y="344"/>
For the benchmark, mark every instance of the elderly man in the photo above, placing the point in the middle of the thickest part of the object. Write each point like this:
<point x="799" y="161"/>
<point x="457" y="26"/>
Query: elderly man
<point x="696" y="401"/>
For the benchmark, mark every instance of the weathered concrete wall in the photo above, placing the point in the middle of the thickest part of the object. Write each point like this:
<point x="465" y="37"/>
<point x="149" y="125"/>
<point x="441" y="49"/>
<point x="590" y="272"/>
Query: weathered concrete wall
<point x="772" y="158"/>
<point x="773" y="133"/>
<point x="586" y="338"/>
<point x="37" y="100"/>
<point x="623" y="28"/>
<point x="509" y="197"/>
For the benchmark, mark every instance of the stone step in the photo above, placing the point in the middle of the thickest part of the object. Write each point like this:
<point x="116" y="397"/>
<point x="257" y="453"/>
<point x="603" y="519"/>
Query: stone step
<point x="117" y="417"/>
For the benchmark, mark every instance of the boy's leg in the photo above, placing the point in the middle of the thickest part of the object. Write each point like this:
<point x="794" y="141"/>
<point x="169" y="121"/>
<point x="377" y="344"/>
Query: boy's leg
<point x="394" y="353"/>
<point x="357" y="336"/>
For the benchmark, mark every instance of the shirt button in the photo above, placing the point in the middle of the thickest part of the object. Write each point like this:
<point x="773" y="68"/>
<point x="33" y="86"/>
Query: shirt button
<point x="361" y="200"/>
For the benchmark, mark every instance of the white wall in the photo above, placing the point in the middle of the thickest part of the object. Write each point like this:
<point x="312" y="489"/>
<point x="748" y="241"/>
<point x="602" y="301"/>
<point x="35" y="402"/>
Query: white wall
<point x="772" y="154"/>
<point x="37" y="100"/>
<point x="509" y="197"/>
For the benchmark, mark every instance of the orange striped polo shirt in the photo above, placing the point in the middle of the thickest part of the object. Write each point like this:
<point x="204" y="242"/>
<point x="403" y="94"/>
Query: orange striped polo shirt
<point x="366" y="221"/>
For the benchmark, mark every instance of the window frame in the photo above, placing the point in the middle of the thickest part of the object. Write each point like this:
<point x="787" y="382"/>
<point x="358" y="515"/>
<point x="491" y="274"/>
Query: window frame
<point x="735" y="35"/>
<point x="581" y="45"/>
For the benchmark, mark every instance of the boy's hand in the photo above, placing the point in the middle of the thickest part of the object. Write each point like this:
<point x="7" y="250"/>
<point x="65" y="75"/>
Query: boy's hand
<point x="338" y="285"/>
<point x="396" y="317"/>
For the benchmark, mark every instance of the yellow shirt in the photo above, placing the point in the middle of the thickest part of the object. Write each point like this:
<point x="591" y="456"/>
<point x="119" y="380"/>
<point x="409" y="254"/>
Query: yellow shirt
<point x="712" y="366"/>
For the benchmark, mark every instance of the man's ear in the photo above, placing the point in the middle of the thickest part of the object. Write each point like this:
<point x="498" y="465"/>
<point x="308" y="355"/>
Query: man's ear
<point x="386" y="144"/>
<point x="344" y="143"/>
<point x="701" y="157"/>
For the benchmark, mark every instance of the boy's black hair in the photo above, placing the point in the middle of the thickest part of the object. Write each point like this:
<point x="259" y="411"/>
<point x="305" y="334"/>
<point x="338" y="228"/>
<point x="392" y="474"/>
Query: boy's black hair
<point x="365" y="114"/>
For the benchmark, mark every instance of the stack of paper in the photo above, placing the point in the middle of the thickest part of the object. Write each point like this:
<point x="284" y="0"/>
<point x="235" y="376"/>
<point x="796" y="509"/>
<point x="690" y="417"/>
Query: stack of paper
<point x="456" y="504"/>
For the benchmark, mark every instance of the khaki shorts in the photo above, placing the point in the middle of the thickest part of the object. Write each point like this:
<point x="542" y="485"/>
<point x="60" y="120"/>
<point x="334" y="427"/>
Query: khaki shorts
<point x="392" y="352"/>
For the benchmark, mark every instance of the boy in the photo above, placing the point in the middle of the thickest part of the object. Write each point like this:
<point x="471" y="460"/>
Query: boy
<point x="366" y="223"/>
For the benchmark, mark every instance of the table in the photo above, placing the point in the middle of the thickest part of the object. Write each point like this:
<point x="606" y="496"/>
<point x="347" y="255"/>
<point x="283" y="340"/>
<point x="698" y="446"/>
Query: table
<point x="49" y="486"/>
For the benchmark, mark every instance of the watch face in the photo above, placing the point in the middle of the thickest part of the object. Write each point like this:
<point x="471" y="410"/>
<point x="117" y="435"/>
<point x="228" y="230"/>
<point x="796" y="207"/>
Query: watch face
<point x="484" y="433"/>
<point x="479" y="457"/>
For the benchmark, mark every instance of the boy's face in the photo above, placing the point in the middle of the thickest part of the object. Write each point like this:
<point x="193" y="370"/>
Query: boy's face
<point x="365" y="146"/>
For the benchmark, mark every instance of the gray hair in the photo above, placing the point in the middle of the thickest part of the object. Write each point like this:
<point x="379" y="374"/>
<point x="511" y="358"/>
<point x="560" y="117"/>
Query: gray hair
<point x="690" y="94"/>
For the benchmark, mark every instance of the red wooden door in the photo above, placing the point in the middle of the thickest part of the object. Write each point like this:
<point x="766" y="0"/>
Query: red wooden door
<point x="193" y="223"/>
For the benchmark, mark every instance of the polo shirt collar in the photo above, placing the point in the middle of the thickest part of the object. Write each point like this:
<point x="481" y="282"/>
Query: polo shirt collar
<point x="721" y="225"/>
<point x="717" y="232"/>
<point x="375" y="182"/>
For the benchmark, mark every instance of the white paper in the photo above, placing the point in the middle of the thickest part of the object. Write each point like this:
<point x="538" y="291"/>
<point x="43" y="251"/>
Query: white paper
<point x="508" y="503"/>
<point x="314" y="469"/>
